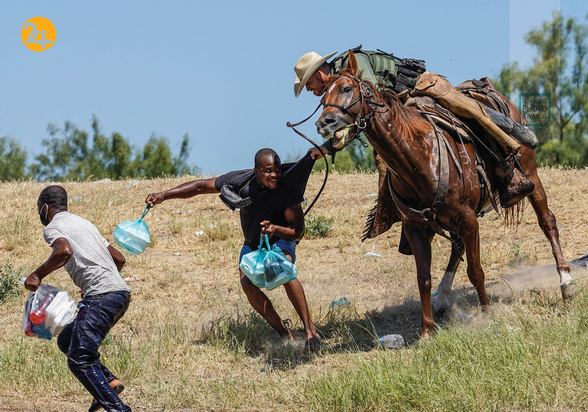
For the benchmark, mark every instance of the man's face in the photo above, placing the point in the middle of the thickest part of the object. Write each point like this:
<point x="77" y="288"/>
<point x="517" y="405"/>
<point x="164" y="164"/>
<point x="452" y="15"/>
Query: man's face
<point x="43" y="210"/>
<point x="316" y="84"/>
<point x="269" y="171"/>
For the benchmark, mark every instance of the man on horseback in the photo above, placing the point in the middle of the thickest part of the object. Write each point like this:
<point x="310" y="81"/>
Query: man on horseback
<point x="408" y="79"/>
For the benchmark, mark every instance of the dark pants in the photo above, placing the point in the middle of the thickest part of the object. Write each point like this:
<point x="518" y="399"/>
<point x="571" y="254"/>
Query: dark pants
<point x="81" y="339"/>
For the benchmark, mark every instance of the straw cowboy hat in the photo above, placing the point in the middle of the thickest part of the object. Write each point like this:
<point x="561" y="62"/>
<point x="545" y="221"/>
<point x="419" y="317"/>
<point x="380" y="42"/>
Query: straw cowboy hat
<point x="306" y="66"/>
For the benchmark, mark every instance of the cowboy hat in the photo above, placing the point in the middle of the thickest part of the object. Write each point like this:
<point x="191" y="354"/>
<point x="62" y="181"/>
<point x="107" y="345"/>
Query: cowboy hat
<point x="306" y="66"/>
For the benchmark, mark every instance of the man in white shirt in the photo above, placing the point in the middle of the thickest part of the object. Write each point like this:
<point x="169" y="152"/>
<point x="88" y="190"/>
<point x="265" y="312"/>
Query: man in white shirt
<point x="94" y="265"/>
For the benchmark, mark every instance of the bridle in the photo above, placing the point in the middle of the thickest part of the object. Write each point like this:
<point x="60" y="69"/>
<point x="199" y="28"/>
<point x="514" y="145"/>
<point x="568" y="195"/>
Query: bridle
<point x="364" y="98"/>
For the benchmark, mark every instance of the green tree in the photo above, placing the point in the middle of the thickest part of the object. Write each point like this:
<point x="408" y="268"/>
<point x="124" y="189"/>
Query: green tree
<point x="559" y="70"/>
<point x="355" y="157"/>
<point x="70" y="156"/>
<point x="12" y="160"/>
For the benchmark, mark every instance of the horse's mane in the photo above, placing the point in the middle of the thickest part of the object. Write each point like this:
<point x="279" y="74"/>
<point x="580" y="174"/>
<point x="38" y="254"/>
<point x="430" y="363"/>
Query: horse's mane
<point x="408" y="121"/>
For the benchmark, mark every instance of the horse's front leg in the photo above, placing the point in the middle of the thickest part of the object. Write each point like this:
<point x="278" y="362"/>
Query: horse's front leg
<point x="441" y="305"/>
<point x="470" y="233"/>
<point x="419" y="237"/>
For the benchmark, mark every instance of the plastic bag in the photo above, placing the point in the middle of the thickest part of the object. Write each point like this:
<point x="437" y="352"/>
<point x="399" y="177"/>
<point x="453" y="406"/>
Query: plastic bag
<point x="252" y="264"/>
<point x="278" y="269"/>
<point x="268" y="267"/>
<point x="133" y="235"/>
<point x="47" y="311"/>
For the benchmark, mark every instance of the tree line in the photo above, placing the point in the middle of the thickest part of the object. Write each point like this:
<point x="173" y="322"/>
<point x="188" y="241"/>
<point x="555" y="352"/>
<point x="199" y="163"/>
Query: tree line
<point x="71" y="153"/>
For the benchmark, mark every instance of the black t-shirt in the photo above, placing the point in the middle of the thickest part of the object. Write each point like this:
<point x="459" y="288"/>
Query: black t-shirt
<point x="267" y="204"/>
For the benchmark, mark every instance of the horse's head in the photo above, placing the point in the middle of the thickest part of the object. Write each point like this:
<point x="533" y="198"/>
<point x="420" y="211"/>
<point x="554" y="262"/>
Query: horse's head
<point x="343" y="116"/>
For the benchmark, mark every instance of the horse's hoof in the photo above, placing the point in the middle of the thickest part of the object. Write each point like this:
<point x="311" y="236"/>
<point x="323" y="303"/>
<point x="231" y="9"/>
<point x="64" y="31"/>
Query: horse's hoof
<point x="441" y="312"/>
<point x="569" y="290"/>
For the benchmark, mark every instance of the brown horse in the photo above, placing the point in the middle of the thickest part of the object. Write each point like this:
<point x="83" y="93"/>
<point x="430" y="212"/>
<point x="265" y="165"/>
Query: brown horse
<point x="432" y="191"/>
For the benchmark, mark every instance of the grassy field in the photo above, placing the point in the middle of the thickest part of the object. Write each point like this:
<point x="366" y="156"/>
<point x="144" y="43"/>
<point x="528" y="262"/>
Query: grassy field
<point x="190" y="341"/>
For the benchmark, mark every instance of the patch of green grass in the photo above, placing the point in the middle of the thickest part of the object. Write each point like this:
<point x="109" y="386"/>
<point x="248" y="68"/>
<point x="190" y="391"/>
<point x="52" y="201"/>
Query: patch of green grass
<point x="318" y="226"/>
<point x="513" y="364"/>
<point x="9" y="278"/>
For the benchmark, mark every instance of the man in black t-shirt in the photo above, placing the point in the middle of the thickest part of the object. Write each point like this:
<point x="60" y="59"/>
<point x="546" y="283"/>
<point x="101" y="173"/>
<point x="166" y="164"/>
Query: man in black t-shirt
<point x="269" y="198"/>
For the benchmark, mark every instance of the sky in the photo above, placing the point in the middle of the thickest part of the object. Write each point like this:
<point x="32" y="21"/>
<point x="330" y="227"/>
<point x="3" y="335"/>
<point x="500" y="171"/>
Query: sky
<point x="222" y="71"/>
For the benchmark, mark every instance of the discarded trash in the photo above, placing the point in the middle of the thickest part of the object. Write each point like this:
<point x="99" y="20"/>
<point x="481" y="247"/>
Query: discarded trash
<point x="132" y="279"/>
<point x="340" y="302"/>
<point x="435" y="293"/>
<point x="182" y="212"/>
<point x="464" y="317"/>
<point x="371" y="195"/>
<point x="103" y="181"/>
<point x="176" y="253"/>
<point x="134" y="182"/>
<point x="372" y="254"/>
<point x="77" y="198"/>
<point x="199" y="233"/>
<point x="392" y="341"/>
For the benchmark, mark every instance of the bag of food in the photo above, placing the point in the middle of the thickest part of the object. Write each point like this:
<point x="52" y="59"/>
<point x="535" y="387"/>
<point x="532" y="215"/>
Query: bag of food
<point x="252" y="264"/>
<point x="278" y="269"/>
<point x="268" y="267"/>
<point x="133" y="235"/>
<point x="47" y="311"/>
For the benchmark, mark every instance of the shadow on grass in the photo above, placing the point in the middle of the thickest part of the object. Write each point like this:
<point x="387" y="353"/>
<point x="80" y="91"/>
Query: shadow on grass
<point x="342" y="329"/>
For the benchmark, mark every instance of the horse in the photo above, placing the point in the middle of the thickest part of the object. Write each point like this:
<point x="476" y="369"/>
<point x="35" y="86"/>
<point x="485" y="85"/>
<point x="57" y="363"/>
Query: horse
<point x="431" y="194"/>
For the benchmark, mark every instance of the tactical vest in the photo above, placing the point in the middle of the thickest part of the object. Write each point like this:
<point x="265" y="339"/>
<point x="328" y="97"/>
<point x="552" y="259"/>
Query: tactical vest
<point x="390" y="71"/>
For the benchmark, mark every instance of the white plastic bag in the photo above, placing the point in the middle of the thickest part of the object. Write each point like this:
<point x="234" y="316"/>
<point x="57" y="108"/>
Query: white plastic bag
<point x="47" y="311"/>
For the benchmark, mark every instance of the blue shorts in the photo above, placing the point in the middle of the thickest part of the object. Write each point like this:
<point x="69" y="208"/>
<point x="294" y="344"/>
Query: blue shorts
<point x="288" y="247"/>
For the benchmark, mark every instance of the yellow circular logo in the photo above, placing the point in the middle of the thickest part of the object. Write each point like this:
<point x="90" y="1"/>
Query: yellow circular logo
<point x="38" y="34"/>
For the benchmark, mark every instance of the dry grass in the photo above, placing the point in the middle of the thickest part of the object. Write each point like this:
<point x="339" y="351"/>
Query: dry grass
<point x="173" y="347"/>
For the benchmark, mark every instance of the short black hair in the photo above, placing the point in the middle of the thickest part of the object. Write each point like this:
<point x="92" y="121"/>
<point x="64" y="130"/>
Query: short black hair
<point x="263" y="153"/>
<point x="55" y="196"/>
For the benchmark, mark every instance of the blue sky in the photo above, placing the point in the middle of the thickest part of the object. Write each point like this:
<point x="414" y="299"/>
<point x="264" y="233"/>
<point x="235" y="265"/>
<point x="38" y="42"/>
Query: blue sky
<point x="223" y="71"/>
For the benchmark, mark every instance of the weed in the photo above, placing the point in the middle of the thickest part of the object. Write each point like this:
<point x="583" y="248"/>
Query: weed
<point x="318" y="226"/>
<point x="9" y="278"/>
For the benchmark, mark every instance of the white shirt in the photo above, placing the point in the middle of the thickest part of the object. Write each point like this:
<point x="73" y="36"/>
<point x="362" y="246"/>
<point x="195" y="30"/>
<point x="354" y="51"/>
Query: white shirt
<point x="91" y="266"/>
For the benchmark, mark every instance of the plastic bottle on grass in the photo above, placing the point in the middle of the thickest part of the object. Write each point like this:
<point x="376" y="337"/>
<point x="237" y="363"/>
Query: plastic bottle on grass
<point x="392" y="341"/>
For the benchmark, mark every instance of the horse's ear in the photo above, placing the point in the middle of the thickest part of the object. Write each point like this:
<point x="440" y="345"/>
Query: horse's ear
<point x="352" y="63"/>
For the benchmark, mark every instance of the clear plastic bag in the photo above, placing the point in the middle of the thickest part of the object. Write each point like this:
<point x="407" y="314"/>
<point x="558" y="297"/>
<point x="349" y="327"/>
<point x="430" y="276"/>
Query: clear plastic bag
<point x="133" y="235"/>
<point x="268" y="267"/>
<point x="47" y="311"/>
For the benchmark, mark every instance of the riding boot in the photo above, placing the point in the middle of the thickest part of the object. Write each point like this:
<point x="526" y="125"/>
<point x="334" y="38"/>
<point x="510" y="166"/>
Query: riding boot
<point x="512" y="184"/>
<point x="522" y="134"/>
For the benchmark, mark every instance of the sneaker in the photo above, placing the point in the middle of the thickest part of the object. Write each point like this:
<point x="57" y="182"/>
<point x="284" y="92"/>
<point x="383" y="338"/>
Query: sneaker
<point x="95" y="405"/>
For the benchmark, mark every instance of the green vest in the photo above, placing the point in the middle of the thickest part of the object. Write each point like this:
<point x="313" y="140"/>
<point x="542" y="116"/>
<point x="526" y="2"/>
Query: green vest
<point x="383" y="70"/>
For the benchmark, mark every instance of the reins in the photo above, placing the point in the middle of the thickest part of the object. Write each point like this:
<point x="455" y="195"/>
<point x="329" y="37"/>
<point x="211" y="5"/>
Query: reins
<point x="293" y="127"/>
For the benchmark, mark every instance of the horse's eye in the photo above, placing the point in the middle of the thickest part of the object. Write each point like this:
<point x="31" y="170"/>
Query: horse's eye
<point x="347" y="90"/>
